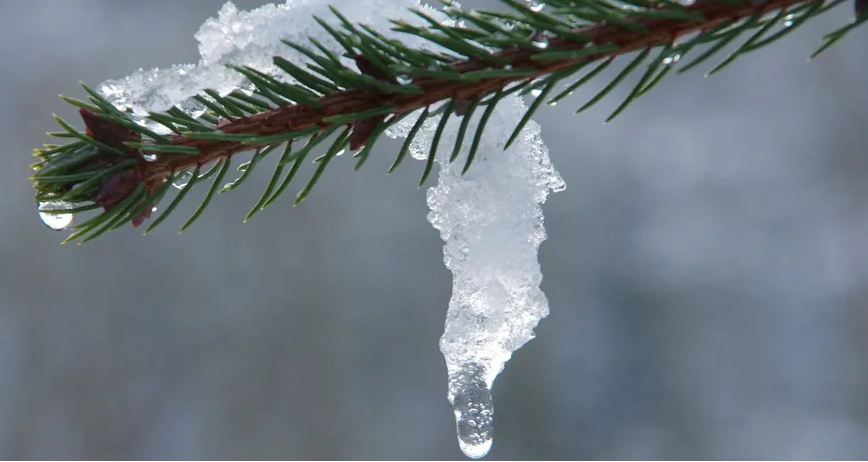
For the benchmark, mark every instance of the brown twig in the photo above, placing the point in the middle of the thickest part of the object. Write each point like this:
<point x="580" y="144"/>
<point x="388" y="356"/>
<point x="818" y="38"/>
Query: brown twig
<point x="298" y="117"/>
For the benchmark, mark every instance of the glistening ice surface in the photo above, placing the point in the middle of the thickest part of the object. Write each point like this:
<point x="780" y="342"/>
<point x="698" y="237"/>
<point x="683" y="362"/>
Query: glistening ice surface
<point x="492" y="225"/>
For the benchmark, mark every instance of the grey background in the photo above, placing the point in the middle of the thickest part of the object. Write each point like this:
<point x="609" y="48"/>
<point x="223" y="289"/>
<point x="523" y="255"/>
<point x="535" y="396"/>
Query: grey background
<point x="706" y="270"/>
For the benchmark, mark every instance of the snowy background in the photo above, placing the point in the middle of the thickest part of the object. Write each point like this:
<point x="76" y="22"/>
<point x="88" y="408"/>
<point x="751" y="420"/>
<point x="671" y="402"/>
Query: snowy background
<point x="706" y="270"/>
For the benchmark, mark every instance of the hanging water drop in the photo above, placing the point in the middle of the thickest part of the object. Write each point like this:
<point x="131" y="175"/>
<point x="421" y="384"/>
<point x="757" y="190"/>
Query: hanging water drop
<point x="671" y="59"/>
<point x="536" y="7"/>
<point x="340" y="153"/>
<point x="150" y="157"/>
<point x="182" y="182"/>
<point x="470" y="395"/>
<point x="788" y="20"/>
<point x="404" y="79"/>
<point x="537" y="87"/>
<point x="540" y="42"/>
<point x="48" y="213"/>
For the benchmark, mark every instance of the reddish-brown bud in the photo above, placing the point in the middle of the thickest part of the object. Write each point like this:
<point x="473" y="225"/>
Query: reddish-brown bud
<point x="108" y="132"/>
<point x="362" y="130"/>
<point x="117" y="187"/>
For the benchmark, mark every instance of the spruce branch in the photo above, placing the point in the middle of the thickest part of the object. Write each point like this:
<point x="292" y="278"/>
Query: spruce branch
<point x="124" y="166"/>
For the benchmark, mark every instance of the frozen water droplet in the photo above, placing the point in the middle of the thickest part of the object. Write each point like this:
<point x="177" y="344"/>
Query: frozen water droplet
<point x="671" y="59"/>
<point x="54" y="220"/>
<point x="470" y="395"/>
<point x="150" y="157"/>
<point x="536" y="92"/>
<point x="182" y="182"/>
<point x="535" y="7"/>
<point x="788" y="20"/>
<point x="341" y="152"/>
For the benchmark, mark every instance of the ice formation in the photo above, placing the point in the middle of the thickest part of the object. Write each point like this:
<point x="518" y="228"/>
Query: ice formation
<point x="492" y="225"/>
<point x="250" y="38"/>
<point x="489" y="218"/>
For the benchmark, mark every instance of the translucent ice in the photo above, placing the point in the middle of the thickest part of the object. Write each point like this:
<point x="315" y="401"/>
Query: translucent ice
<point x="492" y="224"/>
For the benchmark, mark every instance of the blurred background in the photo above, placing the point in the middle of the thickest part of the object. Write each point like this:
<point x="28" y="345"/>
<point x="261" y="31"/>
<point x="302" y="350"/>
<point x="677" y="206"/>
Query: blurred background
<point x="706" y="270"/>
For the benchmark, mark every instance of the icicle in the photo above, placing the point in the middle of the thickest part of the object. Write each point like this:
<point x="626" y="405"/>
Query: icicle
<point x="491" y="222"/>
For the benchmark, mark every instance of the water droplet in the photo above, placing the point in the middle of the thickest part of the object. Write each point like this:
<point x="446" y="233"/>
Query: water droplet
<point x="535" y="7"/>
<point x="404" y="79"/>
<point x="535" y="92"/>
<point x="182" y="182"/>
<point x="340" y="153"/>
<point x="671" y="59"/>
<point x="541" y="42"/>
<point x="54" y="220"/>
<point x="470" y="395"/>
<point x="788" y="20"/>
<point x="150" y="157"/>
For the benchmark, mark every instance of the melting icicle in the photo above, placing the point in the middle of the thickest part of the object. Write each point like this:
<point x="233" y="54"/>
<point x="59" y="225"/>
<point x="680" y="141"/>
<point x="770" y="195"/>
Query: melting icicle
<point x="54" y="220"/>
<point x="182" y="182"/>
<point x="470" y="395"/>
<point x="150" y="157"/>
<point x="491" y="222"/>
